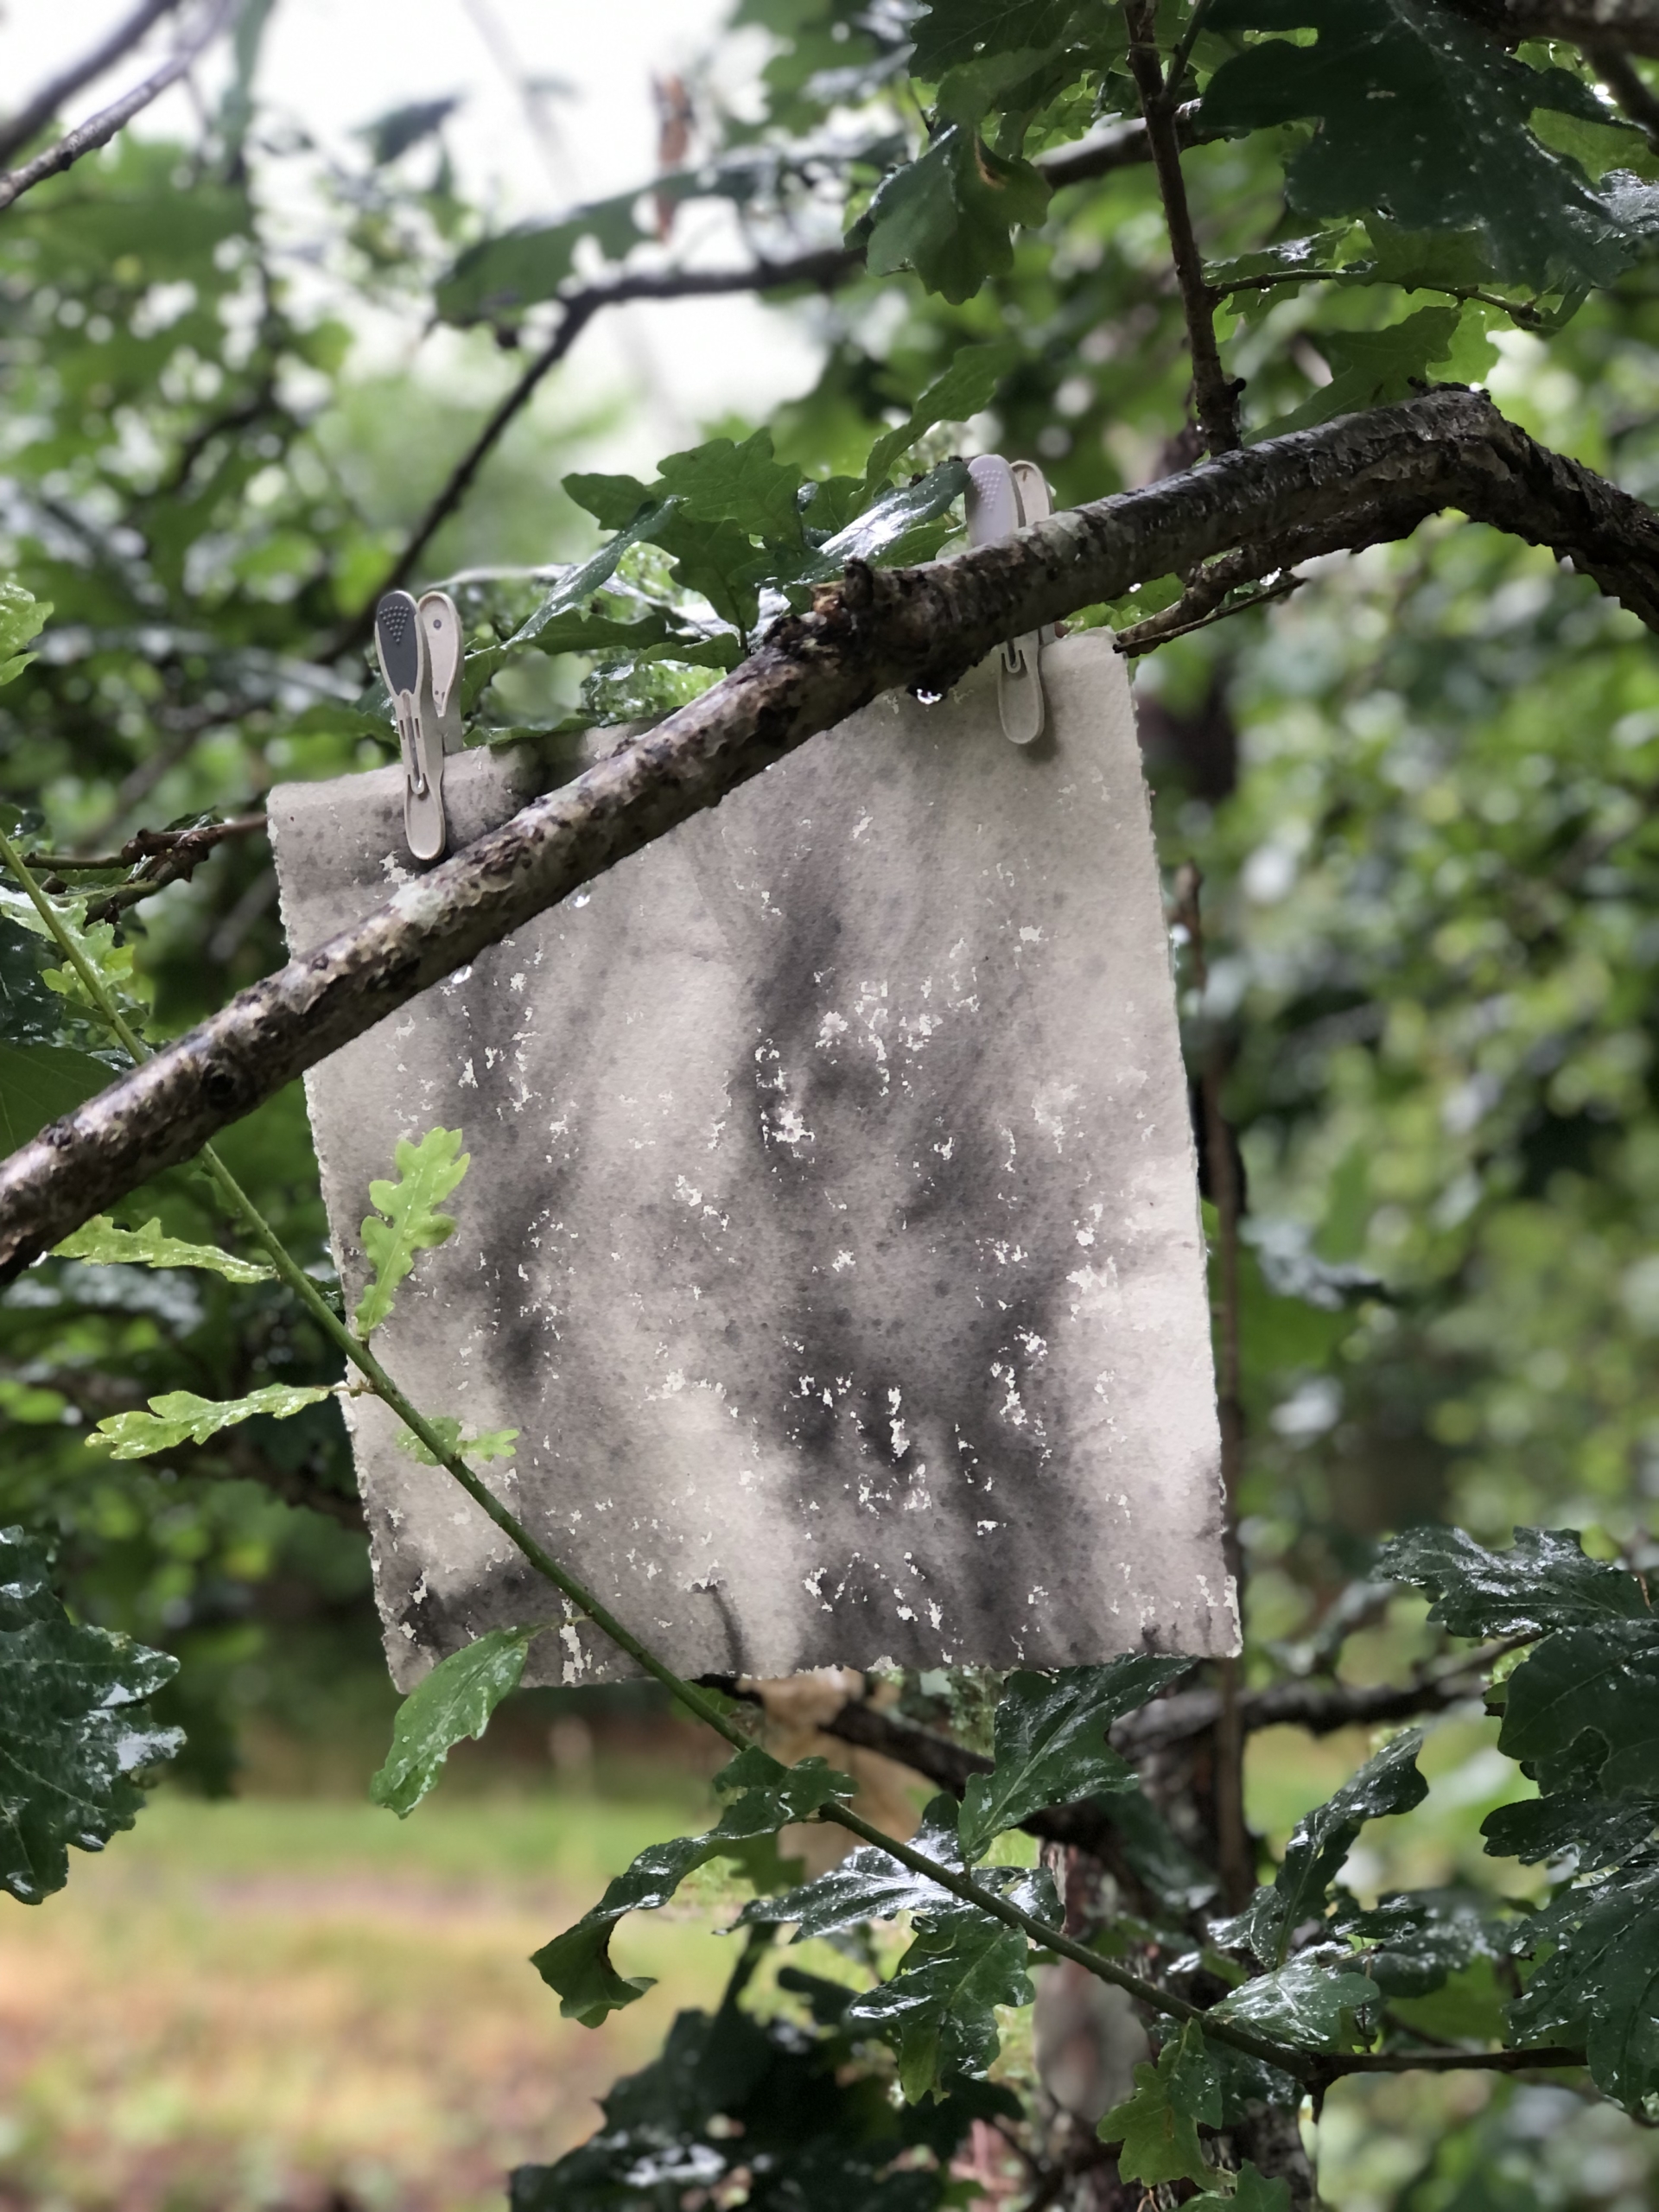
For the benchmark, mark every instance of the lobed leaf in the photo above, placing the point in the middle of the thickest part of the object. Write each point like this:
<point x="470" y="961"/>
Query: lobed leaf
<point x="937" y="2009"/>
<point x="74" y="1730"/>
<point x="22" y="617"/>
<point x="101" y="1241"/>
<point x="1320" y="1844"/>
<point x="455" y="1699"/>
<point x="1157" y="2125"/>
<point x="1255" y="2193"/>
<point x="1544" y="1581"/>
<point x="1316" y="2002"/>
<point x="951" y="215"/>
<point x="1602" y="1680"/>
<point x="1051" y="1742"/>
<point x="869" y="1884"/>
<point x="969" y="384"/>
<point x="763" y="1797"/>
<point x="180" y="1417"/>
<point x="427" y="1172"/>
<point x="1425" y="121"/>
<point x="1599" y="1987"/>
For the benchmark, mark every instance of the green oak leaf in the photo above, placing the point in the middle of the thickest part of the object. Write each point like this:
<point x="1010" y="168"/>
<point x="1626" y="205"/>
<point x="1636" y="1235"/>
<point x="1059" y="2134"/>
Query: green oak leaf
<point x="180" y="1417"/>
<point x="1320" y="1844"/>
<point x="1369" y="368"/>
<point x="455" y="1699"/>
<point x="1544" y="1581"/>
<point x="1604" y="1680"/>
<point x="101" y="1242"/>
<point x="907" y="524"/>
<point x="1051" y="1742"/>
<point x="722" y="481"/>
<point x="488" y="1443"/>
<point x="1318" y="2001"/>
<point x="951" y="215"/>
<point x="1157" y="2125"/>
<point x="1253" y="2192"/>
<point x="1599" y="1831"/>
<point x="937" y="2008"/>
<point x="969" y="384"/>
<point x="1425" y="120"/>
<point x="869" y="1884"/>
<point x="74" y="1729"/>
<point x="950" y="32"/>
<point x="427" y="1171"/>
<point x="762" y="1796"/>
<point x="1597" y="1988"/>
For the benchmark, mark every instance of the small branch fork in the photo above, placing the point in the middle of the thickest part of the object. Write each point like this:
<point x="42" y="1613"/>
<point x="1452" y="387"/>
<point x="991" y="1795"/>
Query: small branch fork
<point x="1215" y="398"/>
<point x="1125" y="146"/>
<point x="1356" y="481"/>
<point x="99" y="130"/>
<point x="162" y="856"/>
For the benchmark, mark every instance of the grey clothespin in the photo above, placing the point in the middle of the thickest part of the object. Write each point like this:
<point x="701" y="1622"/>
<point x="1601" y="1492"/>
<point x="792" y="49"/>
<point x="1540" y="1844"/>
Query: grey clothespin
<point x="419" y="648"/>
<point x="1003" y="497"/>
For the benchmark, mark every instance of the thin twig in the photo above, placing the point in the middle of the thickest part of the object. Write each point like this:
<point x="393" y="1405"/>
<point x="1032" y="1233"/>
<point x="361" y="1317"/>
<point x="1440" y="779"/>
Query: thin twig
<point x="34" y="116"/>
<point x="162" y="856"/>
<point x="99" y="130"/>
<point x="1520" y="312"/>
<point x="1215" y="399"/>
<point x="1146" y="636"/>
<point x="824" y="268"/>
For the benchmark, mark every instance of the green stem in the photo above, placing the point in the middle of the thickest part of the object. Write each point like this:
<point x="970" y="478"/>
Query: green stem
<point x="695" y="1701"/>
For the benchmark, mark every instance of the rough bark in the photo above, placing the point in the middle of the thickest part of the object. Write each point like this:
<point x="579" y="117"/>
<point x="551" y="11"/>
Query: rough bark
<point x="1349" y="483"/>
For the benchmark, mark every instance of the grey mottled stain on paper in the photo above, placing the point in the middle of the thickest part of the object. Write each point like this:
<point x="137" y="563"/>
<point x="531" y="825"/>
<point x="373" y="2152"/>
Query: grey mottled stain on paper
<point x="832" y="1229"/>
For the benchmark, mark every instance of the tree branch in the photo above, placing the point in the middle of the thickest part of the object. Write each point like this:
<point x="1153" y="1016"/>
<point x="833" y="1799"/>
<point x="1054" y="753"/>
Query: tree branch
<point x="1214" y="401"/>
<point x="100" y="128"/>
<point x="34" y="116"/>
<point x="1124" y="145"/>
<point x="1351" y="482"/>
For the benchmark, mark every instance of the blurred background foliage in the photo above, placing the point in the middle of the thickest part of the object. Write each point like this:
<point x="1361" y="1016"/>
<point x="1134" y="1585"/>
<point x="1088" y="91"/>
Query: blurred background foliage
<point x="1421" y="793"/>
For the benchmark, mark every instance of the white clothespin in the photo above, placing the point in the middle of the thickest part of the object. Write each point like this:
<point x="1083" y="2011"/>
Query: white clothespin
<point x="1002" y="498"/>
<point x="419" y="648"/>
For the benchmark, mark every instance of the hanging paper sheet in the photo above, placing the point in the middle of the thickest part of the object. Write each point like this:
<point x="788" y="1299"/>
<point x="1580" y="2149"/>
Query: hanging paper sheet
<point x="831" y="1236"/>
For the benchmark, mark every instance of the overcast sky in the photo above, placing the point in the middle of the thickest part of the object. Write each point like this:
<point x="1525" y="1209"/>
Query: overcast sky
<point x="337" y="64"/>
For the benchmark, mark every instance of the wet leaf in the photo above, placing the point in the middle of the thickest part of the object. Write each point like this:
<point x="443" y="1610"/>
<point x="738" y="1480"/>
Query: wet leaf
<point x="1425" y="121"/>
<point x="74" y="1729"/>
<point x="455" y="1699"/>
<point x="1604" y="1680"/>
<point x="1318" y="2002"/>
<point x="1320" y="1844"/>
<point x="1157" y="2125"/>
<point x="1255" y="2193"/>
<point x="1051" y="1742"/>
<point x="969" y="384"/>
<point x="952" y="214"/>
<point x="937" y="2008"/>
<point x="22" y="617"/>
<point x="1544" y="1581"/>
<point x="762" y="1797"/>
<point x="868" y="1885"/>
<point x="1597" y="1988"/>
